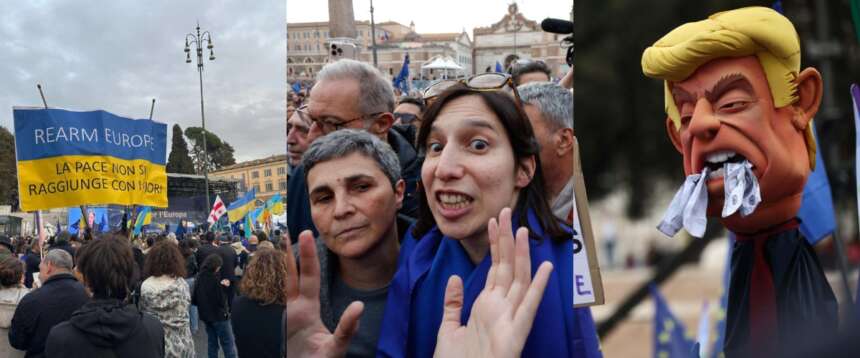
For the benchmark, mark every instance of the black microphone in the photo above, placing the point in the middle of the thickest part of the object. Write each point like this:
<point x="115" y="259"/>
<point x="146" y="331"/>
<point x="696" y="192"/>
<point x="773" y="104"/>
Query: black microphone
<point x="557" y="26"/>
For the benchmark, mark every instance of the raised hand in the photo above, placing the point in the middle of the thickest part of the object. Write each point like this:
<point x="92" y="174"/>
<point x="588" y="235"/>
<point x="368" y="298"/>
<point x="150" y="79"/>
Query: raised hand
<point x="306" y="334"/>
<point x="503" y="313"/>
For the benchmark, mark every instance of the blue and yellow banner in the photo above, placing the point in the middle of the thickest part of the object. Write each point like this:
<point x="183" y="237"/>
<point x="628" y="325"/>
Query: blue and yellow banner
<point x="144" y="217"/>
<point x="239" y="208"/>
<point x="68" y="158"/>
<point x="275" y="204"/>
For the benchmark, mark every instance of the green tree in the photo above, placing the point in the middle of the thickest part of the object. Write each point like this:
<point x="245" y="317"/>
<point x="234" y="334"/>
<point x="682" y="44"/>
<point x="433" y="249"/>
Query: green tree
<point x="8" y="171"/>
<point x="179" y="160"/>
<point x="220" y="153"/>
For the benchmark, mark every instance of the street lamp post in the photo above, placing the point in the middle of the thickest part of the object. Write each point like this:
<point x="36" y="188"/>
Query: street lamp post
<point x="373" y="33"/>
<point x="198" y="39"/>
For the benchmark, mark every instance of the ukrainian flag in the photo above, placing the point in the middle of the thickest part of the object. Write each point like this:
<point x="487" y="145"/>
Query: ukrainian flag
<point x="239" y="208"/>
<point x="275" y="204"/>
<point x="248" y="225"/>
<point x="144" y="217"/>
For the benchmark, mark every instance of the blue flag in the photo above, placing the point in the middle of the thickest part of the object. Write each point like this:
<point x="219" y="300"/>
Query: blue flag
<point x="670" y="340"/>
<point x="499" y="67"/>
<point x="777" y="6"/>
<point x="103" y="224"/>
<point x="297" y="87"/>
<point x="817" y="218"/>
<point x="402" y="79"/>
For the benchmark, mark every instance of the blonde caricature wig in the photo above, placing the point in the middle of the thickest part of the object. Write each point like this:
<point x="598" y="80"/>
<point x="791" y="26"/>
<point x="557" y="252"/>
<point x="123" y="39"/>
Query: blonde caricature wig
<point x="758" y="31"/>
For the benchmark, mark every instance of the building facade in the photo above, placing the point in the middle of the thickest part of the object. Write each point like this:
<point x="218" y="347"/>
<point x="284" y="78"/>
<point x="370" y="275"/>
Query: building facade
<point x="268" y="176"/>
<point x="516" y="37"/>
<point x="307" y="45"/>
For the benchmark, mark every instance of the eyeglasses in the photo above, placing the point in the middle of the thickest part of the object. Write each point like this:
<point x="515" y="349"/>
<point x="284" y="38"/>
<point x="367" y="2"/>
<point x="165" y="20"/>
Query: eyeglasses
<point x="328" y="124"/>
<point x="404" y="117"/>
<point x="491" y="81"/>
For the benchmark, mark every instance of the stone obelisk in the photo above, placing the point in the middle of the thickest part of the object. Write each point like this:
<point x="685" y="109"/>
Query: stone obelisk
<point x="341" y="20"/>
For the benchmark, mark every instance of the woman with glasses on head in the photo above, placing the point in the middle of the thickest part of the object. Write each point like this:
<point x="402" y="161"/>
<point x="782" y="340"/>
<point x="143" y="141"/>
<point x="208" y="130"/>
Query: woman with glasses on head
<point x="480" y="158"/>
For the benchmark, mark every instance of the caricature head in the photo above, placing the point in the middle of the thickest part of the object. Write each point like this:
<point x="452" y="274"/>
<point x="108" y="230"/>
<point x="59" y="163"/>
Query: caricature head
<point x="733" y="86"/>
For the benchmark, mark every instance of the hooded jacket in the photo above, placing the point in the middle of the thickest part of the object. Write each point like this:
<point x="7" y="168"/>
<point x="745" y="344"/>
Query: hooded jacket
<point x="299" y="205"/>
<point x="9" y="298"/>
<point x="107" y="328"/>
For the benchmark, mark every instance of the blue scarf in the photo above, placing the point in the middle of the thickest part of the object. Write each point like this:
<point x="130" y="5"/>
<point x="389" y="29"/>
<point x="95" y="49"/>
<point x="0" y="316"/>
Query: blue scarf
<point x="415" y="304"/>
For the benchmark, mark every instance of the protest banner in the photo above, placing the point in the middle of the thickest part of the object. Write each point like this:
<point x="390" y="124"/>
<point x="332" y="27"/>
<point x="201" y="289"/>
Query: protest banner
<point x="587" y="284"/>
<point x="67" y="158"/>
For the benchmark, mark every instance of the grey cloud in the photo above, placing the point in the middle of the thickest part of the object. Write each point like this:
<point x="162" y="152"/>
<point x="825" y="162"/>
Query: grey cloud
<point x="118" y="55"/>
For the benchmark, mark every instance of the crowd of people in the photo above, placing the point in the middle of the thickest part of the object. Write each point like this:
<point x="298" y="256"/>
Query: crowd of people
<point x="106" y="295"/>
<point x="436" y="223"/>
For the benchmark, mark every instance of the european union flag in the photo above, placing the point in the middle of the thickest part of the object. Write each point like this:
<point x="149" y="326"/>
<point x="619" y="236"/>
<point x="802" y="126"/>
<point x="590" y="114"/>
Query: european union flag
<point x="401" y="81"/>
<point x="499" y="67"/>
<point x="670" y="340"/>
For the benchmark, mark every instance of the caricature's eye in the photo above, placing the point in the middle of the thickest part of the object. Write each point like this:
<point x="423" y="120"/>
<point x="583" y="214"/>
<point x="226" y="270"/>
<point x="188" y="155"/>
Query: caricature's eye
<point x="685" y="120"/>
<point x="734" y="106"/>
<point x="479" y="145"/>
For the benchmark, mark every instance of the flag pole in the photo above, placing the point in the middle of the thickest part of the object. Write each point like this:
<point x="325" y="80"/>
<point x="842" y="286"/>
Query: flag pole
<point x="151" y="109"/>
<point x="83" y="207"/>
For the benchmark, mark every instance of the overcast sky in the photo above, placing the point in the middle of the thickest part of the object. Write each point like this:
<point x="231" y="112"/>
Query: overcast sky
<point x="119" y="55"/>
<point x="434" y="15"/>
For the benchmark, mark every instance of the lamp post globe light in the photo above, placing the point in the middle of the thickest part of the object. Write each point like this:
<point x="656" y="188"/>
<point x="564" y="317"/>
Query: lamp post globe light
<point x="197" y="40"/>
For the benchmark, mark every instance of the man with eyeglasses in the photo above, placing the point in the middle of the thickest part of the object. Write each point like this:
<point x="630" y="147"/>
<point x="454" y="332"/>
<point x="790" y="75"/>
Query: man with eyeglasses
<point x="298" y="127"/>
<point x="352" y="94"/>
<point x="549" y="107"/>
<point x="407" y="116"/>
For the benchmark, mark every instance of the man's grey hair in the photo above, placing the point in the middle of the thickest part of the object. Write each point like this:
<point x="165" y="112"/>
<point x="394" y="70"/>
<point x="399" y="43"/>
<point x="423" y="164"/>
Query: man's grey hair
<point x="59" y="258"/>
<point x="375" y="93"/>
<point x="344" y="142"/>
<point x="553" y="101"/>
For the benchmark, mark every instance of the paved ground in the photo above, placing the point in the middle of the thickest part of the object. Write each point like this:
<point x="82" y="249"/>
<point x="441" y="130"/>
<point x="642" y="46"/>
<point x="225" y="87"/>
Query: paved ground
<point x="200" y="340"/>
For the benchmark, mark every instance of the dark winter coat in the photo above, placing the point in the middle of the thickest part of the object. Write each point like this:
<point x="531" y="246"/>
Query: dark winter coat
<point x="210" y="297"/>
<point x="107" y="328"/>
<point x="42" y="309"/>
<point x="258" y="328"/>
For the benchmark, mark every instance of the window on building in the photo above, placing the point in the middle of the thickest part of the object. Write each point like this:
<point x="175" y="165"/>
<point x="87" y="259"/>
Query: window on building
<point x="282" y="170"/>
<point x="255" y="174"/>
<point x="282" y="185"/>
<point x="267" y="172"/>
<point x="269" y="186"/>
<point x="257" y="187"/>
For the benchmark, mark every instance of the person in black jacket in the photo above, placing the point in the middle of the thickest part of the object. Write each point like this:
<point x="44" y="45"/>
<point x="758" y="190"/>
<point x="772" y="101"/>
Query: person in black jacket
<point x="107" y="326"/>
<point x="42" y="309"/>
<point x="210" y="297"/>
<point x="258" y="311"/>
<point x="228" y="266"/>
<point x="61" y="241"/>
<point x="207" y="247"/>
<point x="31" y="263"/>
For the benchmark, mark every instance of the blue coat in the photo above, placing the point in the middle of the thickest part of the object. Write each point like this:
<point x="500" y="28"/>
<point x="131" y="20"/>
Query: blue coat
<point x="415" y="304"/>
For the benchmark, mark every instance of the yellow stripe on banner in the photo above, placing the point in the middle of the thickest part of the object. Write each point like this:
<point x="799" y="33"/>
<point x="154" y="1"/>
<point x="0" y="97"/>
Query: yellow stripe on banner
<point x="84" y="180"/>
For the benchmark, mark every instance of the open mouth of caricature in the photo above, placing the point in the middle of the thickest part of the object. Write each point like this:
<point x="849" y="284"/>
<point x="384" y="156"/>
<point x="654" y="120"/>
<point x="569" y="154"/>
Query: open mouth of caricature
<point x="716" y="161"/>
